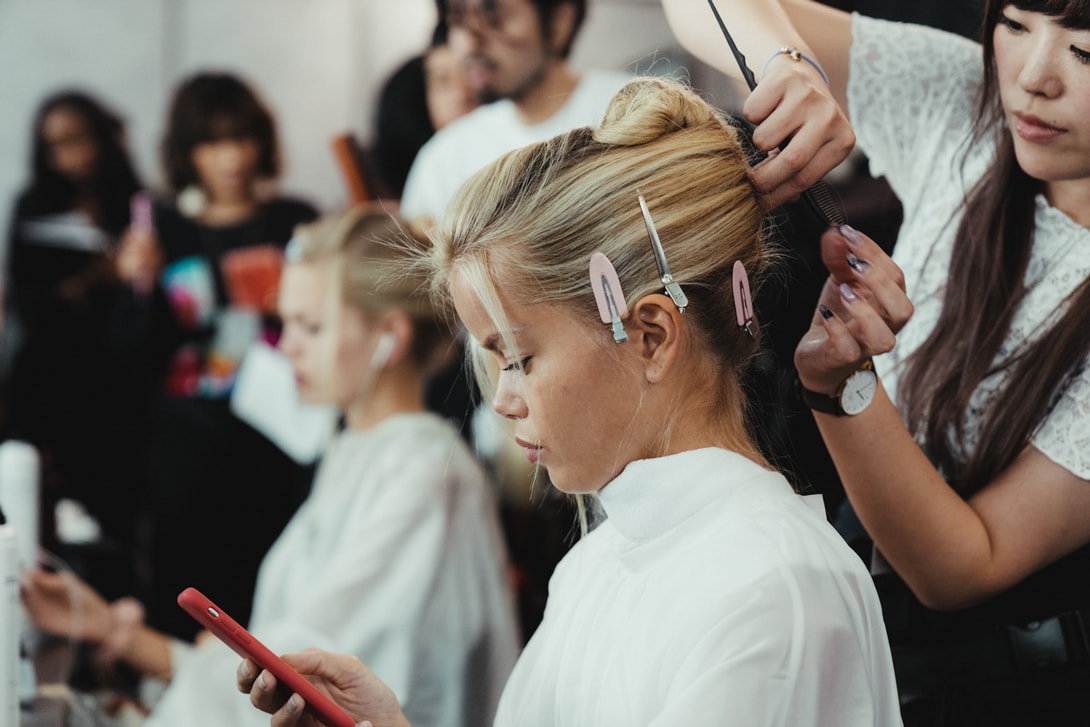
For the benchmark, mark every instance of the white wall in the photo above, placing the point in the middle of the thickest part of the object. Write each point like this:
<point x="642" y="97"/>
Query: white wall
<point x="318" y="63"/>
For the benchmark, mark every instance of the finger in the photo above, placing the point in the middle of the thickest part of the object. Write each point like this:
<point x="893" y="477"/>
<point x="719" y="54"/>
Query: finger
<point x="865" y="323"/>
<point x="290" y="713"/>
<point x="855" y="259"/>
<point x="246" y="675"/>
<point x="264" y="694"/>
<point x="885" y="296"/>
<point x="784" y="176"/>
<point x="827" y="353"/>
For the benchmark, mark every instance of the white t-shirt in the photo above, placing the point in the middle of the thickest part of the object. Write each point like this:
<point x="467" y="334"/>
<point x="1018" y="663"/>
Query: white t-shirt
<point x="911" y="94"/>
<point x="485" y="134"/>
<point x="712" y="595"/>
<point x="397" y="557"/>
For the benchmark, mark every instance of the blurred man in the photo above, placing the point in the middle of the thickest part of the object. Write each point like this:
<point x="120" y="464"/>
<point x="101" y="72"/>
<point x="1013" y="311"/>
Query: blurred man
<point x="516" y="55"/>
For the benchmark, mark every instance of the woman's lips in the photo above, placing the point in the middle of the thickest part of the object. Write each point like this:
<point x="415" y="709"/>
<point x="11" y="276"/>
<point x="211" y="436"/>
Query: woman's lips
<point x="1031" y="128"/>
<point x="533" y="451"/>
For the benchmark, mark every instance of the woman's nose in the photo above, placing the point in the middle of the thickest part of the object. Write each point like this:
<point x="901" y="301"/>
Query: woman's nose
<point x="1040" y="72"/>
<point x="508" y="401"/>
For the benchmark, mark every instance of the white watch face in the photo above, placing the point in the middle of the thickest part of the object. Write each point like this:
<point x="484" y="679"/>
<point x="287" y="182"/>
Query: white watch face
<point x="858" y="391"/>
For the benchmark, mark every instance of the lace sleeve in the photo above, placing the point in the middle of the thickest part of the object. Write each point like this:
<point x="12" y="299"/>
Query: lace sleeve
<point x="911" y="96"/>
<point x="1065" y="435"/>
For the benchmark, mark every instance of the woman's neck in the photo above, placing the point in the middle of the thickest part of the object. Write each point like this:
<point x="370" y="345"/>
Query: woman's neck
<point x="221" y="213"/>
<point x="397" y="390"/>
<point x="1072" y="198"/>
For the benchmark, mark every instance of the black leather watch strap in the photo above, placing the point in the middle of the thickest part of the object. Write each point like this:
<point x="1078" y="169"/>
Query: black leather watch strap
<point x="824" y="402"/>
<point x="818" y="402"/>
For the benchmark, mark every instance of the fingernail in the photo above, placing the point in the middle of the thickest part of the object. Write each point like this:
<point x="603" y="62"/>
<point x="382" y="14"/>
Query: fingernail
<point x="295" y="703"/>
<point x="857" y="264"/>
<point x="825" y="312"/>
<point x="245" y="671"/>
<point x="261" y="682"/>
<point x="850" y="234"/>
<point x="847" y="293"/>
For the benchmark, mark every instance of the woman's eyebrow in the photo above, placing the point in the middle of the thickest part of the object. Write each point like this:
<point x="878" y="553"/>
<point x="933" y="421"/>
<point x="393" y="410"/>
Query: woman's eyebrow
<point x="494" y="341"/>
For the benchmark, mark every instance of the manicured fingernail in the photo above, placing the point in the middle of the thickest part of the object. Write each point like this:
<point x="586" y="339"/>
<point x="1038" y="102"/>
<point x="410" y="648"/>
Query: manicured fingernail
<point x="857" y="264"/>
<point x="850" y="234"/>
<point x="847" y="293"/>
<point x="825" y="312"/>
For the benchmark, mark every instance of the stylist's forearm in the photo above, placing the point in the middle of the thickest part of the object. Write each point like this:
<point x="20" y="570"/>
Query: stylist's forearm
<point x="759" y="27"/>
<point x="919" y="523"/>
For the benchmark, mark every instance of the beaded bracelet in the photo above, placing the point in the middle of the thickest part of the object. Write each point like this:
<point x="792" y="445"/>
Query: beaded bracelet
<point x="796" y="55"/>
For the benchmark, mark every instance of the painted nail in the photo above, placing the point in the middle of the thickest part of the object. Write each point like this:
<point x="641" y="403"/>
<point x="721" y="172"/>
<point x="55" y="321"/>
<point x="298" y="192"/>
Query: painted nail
<point x="850" y="234"/>
<point x="847" y="293"/>
<point x="825" y="312"/>
<point x="857" y="264"/>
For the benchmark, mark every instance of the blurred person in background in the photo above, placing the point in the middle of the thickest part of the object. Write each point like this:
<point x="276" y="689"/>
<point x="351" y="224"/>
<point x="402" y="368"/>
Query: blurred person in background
<point x="396" y="554"/>
<point x="200" y="289"/>
<point x="67" y="392"/>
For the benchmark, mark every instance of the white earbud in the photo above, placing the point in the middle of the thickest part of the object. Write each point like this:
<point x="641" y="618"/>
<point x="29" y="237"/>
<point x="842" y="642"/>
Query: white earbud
<point x="383" y="349"/>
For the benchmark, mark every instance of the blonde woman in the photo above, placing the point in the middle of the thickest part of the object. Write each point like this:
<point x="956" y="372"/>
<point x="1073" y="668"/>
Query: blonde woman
<point x="396" y="554"/>
<point x="711" y="593"/>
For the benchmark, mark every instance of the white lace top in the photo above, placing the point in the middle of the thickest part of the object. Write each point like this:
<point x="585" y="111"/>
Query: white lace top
<point x="911" y="95"/>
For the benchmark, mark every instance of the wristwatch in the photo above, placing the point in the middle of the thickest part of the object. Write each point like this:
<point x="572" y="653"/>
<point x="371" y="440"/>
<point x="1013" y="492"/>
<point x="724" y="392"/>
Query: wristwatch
<point x="852" y="397"/>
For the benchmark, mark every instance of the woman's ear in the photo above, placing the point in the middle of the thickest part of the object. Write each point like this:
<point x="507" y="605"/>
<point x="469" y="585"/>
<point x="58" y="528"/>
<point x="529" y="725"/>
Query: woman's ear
<point x="396" y="331"/>
<point x="656" y="321"/>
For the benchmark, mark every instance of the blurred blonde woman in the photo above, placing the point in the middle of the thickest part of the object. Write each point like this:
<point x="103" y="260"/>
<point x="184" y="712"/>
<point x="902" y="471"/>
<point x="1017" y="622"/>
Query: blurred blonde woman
<point x="396" y="554"/>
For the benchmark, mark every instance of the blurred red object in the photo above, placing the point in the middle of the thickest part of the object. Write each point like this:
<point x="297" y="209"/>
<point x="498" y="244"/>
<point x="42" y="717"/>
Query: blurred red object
<point x="252" y="276"/>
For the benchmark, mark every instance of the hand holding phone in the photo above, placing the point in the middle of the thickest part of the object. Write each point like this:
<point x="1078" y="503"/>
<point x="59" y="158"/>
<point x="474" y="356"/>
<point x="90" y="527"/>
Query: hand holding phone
<point x="197" y="605"/>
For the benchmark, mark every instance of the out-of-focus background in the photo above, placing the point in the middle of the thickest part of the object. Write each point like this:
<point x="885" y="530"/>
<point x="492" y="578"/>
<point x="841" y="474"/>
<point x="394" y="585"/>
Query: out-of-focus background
<point x="318" y="63"/>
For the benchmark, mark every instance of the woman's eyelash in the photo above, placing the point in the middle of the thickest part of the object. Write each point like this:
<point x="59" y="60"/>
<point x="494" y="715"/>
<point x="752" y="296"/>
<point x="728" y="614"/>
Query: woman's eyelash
<point x="1081" y="55"/>
<point x="1011" y="24"/>
<point x="517" y="365"/>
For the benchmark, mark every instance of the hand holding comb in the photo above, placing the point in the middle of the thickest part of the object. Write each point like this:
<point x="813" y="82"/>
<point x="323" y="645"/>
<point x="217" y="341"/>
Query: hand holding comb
<point x="819" y="197"/>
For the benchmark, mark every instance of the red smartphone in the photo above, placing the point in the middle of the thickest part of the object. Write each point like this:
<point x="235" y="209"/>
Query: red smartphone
<point x="245" y="644"/>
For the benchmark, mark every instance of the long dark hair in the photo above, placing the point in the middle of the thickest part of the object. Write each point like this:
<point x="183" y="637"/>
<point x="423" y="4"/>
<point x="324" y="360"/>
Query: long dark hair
<point x="402" y="124"/>
<point x="113" y="179"/>
<point x="210" y="107"/>
<point x="986" y="285"/>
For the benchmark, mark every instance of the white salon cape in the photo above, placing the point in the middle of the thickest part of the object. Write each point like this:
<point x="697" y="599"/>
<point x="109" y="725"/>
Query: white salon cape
<point x="712" y="595"/>
<point x="397" y="557"/>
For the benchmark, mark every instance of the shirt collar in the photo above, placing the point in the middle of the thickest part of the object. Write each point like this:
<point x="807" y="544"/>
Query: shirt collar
<point x="652" y="496"/>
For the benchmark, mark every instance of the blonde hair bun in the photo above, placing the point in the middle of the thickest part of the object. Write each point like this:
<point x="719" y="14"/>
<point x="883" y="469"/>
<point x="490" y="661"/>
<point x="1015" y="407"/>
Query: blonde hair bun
<point x="647" y="109"/>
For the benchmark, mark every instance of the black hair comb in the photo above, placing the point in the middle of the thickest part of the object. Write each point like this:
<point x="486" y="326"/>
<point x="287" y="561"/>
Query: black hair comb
<point x="820" y="198"/>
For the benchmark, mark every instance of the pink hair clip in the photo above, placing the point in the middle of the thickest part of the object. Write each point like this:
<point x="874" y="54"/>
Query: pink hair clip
<point x="608" y="294"/>
<point x="743" y="301"/>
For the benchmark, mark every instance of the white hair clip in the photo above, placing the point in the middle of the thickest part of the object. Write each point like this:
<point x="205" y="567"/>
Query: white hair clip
<point x="672" y="288"/>
<point x="608" y="294"/>
<point x="743" y="301"/>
